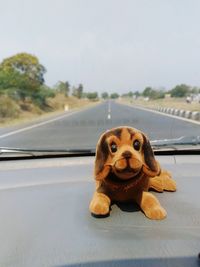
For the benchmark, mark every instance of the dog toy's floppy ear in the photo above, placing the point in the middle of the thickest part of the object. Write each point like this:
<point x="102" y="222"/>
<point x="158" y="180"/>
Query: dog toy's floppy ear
<point x="102" y="152"/>
<point x="151" y="167"/>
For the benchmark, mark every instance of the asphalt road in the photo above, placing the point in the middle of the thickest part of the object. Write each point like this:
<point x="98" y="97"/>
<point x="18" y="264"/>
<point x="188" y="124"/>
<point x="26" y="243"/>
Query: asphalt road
<point x="81" y="129"/>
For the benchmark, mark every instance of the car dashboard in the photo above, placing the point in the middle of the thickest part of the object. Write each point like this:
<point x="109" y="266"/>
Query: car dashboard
<point x="45" y="220"/>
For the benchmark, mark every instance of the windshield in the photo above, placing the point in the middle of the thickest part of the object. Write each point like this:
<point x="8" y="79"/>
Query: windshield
<point x="71" y="70"/>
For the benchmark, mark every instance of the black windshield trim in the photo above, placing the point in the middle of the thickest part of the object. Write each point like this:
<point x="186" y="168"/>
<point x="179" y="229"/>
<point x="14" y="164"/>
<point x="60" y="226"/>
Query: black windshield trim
<point x="163" y="152"/>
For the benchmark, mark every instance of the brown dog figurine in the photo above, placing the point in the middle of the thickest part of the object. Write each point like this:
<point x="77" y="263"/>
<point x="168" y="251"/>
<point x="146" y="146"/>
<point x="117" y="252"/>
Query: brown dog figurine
<point x="125" y="169"/>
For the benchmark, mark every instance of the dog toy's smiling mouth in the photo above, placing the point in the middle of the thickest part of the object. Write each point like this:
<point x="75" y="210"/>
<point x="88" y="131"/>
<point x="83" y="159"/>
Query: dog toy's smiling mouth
<point x="126" y="169"/>
<point x="127" y="173"/>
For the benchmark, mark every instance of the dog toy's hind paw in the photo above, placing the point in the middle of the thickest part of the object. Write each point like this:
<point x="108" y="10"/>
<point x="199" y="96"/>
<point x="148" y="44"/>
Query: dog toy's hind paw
<point x="163" y="182"/>
<point x="168" y="183"/>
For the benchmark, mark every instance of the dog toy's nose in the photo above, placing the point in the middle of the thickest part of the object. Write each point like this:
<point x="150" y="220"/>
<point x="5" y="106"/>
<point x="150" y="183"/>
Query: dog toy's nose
<point x="127" y="154"/>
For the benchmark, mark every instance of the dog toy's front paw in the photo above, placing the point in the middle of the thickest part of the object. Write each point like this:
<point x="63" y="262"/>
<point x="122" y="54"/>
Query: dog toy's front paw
<point x="100" y="204"/>
<point x="98" y="208"/>
<point x="151" y="206"/>
<point x="156" y="213"/>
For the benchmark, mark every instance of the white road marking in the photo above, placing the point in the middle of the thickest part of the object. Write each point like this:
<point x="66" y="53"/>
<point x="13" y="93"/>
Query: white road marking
<point x="164" y="114"/>
<point x="109" y="107"/>
<point x="109" y="116"/>
<point x="109" y="110"/>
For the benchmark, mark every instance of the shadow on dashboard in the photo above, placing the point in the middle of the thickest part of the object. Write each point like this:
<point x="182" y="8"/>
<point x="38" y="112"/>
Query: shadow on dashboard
<point x="150" y="262"/>
<point x="128" y="207"/>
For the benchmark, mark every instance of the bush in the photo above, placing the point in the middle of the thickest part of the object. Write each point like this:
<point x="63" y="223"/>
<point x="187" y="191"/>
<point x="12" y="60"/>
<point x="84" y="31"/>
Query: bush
<point x="39" y="98"/>
<point x="114" y="95"/>
<point x="8" y="108"/>
<point x="92" y="96"/>
<point x="157" y="94"/>
<point x="153" y="94"/>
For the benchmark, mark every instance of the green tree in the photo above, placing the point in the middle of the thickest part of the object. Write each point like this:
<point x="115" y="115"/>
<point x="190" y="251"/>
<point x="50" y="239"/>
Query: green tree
<point x="40" y="96"/>
<point x="114" y="95"/>
<point x="195" y="90"/>
<point x="147" y="91"/>
<point x="152" y="93"/>
<point x="92" y="95"/>
<point x="104" y="95"/>
<point x="137" y="94"/>
<point x="180" y="90"/>
<point x="78" y="92"/>
<point x="157" y="94"/>
<point x="63" y="87"/>
<point x="130" y="94"/>
<point x="23" y="73"/>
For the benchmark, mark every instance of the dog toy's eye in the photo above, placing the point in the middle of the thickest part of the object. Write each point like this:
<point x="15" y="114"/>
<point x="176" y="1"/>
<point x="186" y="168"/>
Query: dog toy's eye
<point x="136" y="145"/>
<point x="113" y="147"/>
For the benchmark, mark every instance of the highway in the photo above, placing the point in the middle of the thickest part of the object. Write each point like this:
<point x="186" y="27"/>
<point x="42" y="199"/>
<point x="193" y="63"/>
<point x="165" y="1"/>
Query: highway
<point x="81" y="129"/>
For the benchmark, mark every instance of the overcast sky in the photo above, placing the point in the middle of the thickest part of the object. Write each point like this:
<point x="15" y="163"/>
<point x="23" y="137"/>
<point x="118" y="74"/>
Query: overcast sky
<point x="108" y="45"/>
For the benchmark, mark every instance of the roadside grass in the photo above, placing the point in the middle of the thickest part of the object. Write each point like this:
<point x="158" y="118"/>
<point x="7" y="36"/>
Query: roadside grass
<point x="59" y="102"/>
<point x="178" y="103"/>
<point x="28" y="111"/>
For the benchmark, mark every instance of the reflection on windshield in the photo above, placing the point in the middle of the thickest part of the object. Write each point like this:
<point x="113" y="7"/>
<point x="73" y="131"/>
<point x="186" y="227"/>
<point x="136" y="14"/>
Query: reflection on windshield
<point x="99" y="70"/>
<point x="81" y="129"/>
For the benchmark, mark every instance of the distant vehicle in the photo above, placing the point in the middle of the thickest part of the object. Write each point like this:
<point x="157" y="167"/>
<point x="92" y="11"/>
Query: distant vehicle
<point x="193" y="98"/>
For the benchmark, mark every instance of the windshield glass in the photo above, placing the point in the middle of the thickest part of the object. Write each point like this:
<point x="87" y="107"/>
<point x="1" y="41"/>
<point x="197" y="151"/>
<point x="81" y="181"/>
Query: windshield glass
<point x="70" y="70"/>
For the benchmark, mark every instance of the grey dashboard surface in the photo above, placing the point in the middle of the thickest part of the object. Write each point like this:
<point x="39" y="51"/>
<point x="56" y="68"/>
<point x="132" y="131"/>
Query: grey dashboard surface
<point x="45" y="221"/>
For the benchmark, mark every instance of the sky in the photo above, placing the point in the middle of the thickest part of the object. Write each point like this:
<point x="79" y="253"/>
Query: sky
<point x="107" y="45"/>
